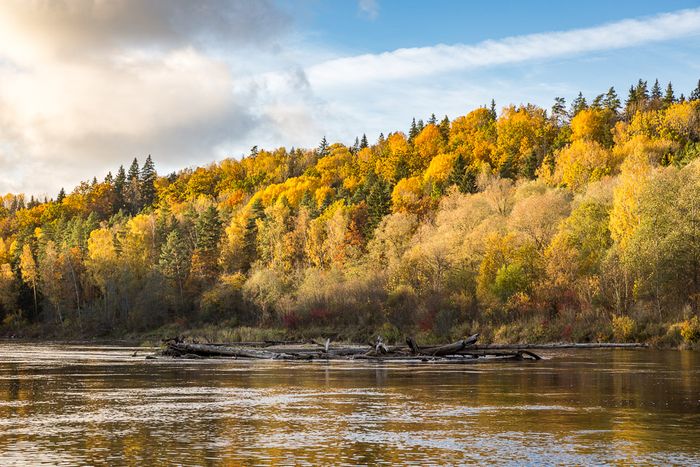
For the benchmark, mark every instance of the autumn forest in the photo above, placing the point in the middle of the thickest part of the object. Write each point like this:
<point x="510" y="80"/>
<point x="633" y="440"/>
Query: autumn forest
<point x="576" y="223"/>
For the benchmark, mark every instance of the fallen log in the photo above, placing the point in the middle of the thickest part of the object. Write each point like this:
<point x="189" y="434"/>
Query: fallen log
<point x="207" y="350"/>
<point x="441" y="350"/>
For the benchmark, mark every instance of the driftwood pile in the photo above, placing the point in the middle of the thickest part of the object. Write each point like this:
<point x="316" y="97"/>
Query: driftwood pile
<point x="462" y="351"/>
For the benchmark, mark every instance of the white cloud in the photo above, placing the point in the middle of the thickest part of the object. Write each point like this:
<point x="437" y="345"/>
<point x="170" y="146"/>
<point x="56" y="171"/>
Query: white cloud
<point x="369" y="8"/>
<point x="423" y="61"/>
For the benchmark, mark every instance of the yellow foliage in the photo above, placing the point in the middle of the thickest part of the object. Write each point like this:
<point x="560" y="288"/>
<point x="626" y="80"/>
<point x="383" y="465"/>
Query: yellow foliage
<point x="440" y="168"/>
<point x="623" y="327"/>
<point x="681" y="122"/>
<point x="593" y="125"/>
<point x="690" y="330"/>
<point x="474" y="136"/>
<point x="582" y="162"/>
<point x="428" y="143"/>
<point x="407" y="195"/>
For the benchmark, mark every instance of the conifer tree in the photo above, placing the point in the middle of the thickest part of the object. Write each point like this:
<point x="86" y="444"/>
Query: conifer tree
<point x="669" y="97"/>
<point x="175" y="259"/>
<point x="147" y="183"/>
<point x="119" y="188"/>
<point x="578" y="104"/>
<point x="494" y="115"/>
<point x="322" y="150"/>
<point x="61" y="196"/>
<point x="132" y="195"/>
<point x="611" y="101"/>
<point x="413" y="131"/>
<point x="363" y="142"/>
<point x="695" y="95"/>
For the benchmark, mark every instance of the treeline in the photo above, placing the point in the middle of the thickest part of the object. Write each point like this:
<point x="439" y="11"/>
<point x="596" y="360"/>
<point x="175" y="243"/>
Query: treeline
<point x="574" y="223"/>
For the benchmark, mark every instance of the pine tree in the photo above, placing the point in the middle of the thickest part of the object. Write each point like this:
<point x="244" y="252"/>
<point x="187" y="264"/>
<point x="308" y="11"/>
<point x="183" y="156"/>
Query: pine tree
<point x="578" y="104"/>
<point x="378" y="204"/>
<point x="61" y="196"/>
<point x="206" y="252"/>
<point x="413" y="131"/>
<point x="611" y="101"/>
<point x="598" y="101"/>
<point x="250" y="237"/>
<point x="669" y="97"/>
<point x="175" y="259"/>
<point x="656" y="90"/>
<point x="119" y="188"/>
<point x="147" y="183"/>
<point x="492" y="110"/>
<point x="432" y="120"/>
<point x="559" y="110"/>
<point x="444" y="128"/>
<point x="363" y="142"/>
<point x="356" y="146"/>
<point x="695" y="95"/>
<point x="132" y="195"/>
<point x="322" y="150"/>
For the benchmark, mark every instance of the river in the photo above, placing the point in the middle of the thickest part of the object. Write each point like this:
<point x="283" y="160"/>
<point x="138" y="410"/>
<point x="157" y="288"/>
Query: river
<point x="98" y="405"/>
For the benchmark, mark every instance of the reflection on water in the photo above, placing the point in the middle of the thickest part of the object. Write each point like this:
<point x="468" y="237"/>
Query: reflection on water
<point x="77" y="405"/>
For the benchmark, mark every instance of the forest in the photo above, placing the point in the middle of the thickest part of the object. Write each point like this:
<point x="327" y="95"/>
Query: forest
<point x="577" y="223"/>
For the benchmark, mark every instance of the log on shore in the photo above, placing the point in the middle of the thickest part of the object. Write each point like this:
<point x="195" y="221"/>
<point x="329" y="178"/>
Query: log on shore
<point x="441" y="350"/>
<point x="206" y="350"/>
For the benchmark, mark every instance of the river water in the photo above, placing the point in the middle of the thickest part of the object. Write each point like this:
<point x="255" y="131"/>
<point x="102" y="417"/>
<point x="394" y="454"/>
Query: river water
<point x="97" y="405"/>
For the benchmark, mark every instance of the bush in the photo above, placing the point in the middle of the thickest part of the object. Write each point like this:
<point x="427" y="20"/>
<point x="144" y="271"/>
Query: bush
<point x="690" y="330"/>
<point x="623" y="327"/>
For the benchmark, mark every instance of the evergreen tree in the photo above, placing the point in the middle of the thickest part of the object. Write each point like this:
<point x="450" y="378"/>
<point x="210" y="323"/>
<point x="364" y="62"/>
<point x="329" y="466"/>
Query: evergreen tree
<point x="356" y="146"/>
<point x="132" y="195"/>
<point x="61" y="196"/>
<point x="432" y="120"/>
<point x="669" y="97"/>
<point x="463" y="176"/>
<point x="363" y="142"/>
<point x="175" y="259"/>
<point x="254" y="151"/>
<point x="559" y="110"/>
<point x="578" y="104"/>
<point x="206" y="252"/>
<point x="492" y="111"/>
<point x="598" y="101"/>
<point x="378" y="204"/>
<point x="413" y="131"/>
<point x="656" y="91"/>
<point x="695" y="95"/>
<point x="444" y="128"/>
<point x="611" y="101"/>
<point x="119" y="188"/>
<point x="147" y="183"/>
<point x="257" y="212"/>
<point x="322" y="150"/>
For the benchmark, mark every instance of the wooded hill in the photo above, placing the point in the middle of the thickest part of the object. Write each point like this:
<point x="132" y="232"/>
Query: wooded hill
<point x="573" y="223"/>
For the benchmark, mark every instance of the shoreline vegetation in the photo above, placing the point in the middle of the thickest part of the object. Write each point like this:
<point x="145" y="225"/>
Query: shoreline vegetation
<point x="577" y="223"/>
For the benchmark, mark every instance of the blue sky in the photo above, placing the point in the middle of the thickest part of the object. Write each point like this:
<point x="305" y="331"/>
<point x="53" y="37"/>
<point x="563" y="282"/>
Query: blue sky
<point x="88" y="85"/>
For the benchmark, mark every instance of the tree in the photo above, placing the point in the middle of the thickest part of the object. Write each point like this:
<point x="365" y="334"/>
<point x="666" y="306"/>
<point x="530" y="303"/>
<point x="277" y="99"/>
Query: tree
<point x="147" y="188"/>
<point x="132" y="195"/>
<point x="61" y="196"/>
<point x="559" y="112"/>
<point x="322" y="150"/>
<point x="120" y="189"/>
<point x="175" y="259"/>
<point x="206" y="251"/>
<point x="363" y="142"/>
<point x="669" y="98"/>
<point x="611" y="101"/>
<point x="578" y="104"/>
<point x="695" y="95"/>
<point x="30" y="274"/>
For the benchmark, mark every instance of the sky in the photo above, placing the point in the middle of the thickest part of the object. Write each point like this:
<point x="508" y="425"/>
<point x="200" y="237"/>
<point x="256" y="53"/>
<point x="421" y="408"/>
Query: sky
<point x="87" y="85"/>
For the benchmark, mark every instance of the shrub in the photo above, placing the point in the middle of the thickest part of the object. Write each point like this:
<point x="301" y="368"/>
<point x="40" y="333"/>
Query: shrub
<point x="623" y="327"/>
<point x="690" y="330"/>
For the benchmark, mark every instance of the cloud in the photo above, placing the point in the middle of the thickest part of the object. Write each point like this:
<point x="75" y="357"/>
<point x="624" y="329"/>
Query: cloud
<point x="423" y="61"/>
<point x="88" y="85"/>
<point x="369" y="8"/>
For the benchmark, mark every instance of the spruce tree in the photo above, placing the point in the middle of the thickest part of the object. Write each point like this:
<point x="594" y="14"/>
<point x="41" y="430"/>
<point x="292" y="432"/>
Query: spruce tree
<point x="432" y="120"/>
<point x="492" y="111"/>
<point x="378" y="204"/>
<point x="611" y="101"/>
<point x="656" y="91"/>
<point x="147" y="183"/>
<point x="132" y="195"/>
<point x="175" y="259"/>
<point x="559" y="110"/>
<point x="413" y="131"/>
<point x="444" y="128"/>
<point x="669" y="97"/>
<point x="578" y="104"/>
<point x="695" y="95"/>
<point x="363" y="142"/>
<point x="119" y="188"/>
<point x="322" y="150"/>
<point x="61" y="196"/>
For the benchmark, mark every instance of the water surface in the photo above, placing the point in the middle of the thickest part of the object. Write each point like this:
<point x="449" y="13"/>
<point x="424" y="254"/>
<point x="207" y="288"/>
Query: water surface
<point x="88" y="405"/>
